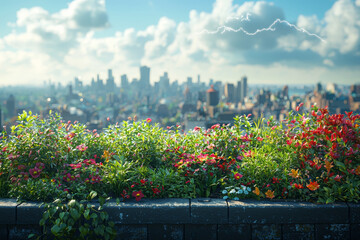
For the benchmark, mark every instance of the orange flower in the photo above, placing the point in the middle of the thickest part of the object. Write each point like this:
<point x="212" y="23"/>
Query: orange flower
<point x="357" y="170"/>
<point x="313" y="186"/>
<point x="270" y="194"/>
<point x="294" y="173"/>
<point x="328" y="166"/>
<point x="256" y="191"/>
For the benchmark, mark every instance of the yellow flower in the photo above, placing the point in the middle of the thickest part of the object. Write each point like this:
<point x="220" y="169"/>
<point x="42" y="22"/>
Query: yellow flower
<point x="256" y="191"/>
<point x="106" y="155"/>
<point x="294" y="173"/>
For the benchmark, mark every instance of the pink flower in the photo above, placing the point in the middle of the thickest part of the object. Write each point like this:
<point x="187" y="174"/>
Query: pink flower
<point x="148" y="120"/>
<point x="75" y="166"/>
<point x="81" y="147"/>
<point x="196" y="128"/>
<point x="35" y="172"/>
<point x="298" y="107"/>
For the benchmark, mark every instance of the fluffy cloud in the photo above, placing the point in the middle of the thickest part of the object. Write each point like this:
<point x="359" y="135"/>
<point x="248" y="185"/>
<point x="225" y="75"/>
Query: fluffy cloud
<point x="225" y="43"/>
<point x="55" y="34"/>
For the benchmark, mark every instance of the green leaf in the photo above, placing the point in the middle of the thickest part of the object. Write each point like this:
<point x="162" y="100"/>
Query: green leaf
<point x="86" y="214"/>
<point x="92" y="194"/>
<point x="74" y="214"/>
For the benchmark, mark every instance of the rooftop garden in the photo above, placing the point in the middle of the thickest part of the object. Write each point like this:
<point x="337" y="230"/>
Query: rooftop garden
<point x="310" y="156"/>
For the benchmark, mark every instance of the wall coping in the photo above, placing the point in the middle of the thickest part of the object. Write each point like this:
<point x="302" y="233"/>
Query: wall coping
<point x="200" y="211"/>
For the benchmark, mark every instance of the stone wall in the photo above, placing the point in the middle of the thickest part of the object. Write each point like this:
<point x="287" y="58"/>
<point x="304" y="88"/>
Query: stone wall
<point x="205" y="219"/>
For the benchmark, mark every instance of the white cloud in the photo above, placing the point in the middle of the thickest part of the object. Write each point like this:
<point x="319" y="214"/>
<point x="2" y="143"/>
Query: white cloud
<point x="62" y="45"/>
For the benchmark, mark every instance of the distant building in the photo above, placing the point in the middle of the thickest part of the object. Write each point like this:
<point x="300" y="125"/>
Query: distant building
<point x="189" y="81"/>
<point x="145" y="76"/>
<point x="243" y="88"/>
<point x="229" y="92"/>
<point x="238" y="92"/>
<point x="124" y="81"/>
<point x="212" y="96"/>
<point x="110" y="82"/>
<point x="10" y="107"/>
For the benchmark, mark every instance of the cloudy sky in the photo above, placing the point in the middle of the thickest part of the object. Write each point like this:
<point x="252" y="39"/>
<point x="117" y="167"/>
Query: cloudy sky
<point x="280" y="41"/>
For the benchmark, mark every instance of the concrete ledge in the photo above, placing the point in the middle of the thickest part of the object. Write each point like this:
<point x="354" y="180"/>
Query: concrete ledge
<point x="8" y="211"/>
<point x="209" y="211"/>
<point x="29" y="213"/>
<point x="262" y="212"/>
<point x="204" y="219"/>
<point x="159" y="211"/>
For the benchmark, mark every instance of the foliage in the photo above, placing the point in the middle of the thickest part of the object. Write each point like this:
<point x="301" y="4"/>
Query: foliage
<point x="76" y="220"/>
<point x="310" y="156"/>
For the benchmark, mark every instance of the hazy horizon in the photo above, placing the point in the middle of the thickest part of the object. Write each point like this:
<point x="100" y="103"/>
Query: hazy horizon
<point x="271" y="42"/>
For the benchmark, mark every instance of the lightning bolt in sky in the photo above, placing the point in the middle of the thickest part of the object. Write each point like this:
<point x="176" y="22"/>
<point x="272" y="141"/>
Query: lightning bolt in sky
<point x="223" y="29"/>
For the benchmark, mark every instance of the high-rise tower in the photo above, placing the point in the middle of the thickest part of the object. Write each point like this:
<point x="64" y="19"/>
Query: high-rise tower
<point x="145" y="76"/>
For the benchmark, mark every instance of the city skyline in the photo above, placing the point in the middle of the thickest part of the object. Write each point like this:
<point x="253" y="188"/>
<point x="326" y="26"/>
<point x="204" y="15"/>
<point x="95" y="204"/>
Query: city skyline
<point x="271" y="42"/>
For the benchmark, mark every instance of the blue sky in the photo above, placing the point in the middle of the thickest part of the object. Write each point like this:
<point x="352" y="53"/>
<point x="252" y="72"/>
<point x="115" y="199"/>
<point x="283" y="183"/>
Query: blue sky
<point x="58" y="40"/>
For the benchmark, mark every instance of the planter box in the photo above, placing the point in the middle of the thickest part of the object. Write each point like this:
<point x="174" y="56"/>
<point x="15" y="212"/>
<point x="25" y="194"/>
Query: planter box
<point x="205" y="219"/>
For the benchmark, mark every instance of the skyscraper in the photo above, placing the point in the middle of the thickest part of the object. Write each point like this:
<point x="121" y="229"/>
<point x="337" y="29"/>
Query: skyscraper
<point x="124" y="81"/>
<point x="10" y="107"/>
<point x="238" y="92"/>
<point x="243" y="88"/>
<point x="229" y="92"/>
<point x="145" y="76"/>
<point x="110" y="82"/>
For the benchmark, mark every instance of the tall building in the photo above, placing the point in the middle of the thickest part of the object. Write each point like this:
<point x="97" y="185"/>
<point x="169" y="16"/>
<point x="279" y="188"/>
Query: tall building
<point x="99" y="82"/>
<point x="10" y="107"/>
<point x="124" y="81"/>
<point x="145" y="76"/>
<point x="229" y="92"/>
<point x="164" y="81"/>
<point x="110" y="82"/>
<point x="212" y="97"/>
<point x="189" y="81"/>
<point x="238" y="92"/>
<point x="243" y="88"/>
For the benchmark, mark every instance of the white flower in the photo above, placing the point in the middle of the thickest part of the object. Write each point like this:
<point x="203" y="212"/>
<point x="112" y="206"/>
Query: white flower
<point x="232" y="191"/>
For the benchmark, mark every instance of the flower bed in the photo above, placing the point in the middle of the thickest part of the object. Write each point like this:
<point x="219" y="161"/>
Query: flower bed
<point x="309" y="157"/>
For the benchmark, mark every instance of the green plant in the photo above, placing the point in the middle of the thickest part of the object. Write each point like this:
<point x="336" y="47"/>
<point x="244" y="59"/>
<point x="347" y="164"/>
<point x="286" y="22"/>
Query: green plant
<point x="76" y="220"/>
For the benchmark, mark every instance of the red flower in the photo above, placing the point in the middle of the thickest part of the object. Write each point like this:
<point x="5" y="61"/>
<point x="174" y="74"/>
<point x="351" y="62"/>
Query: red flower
<point x="338" y="178"/>
<point x="156" y="191"/>
<point x="298" y="107"/>
<point x="313" y="186"/>
<point x="143" y="181"/>
<point x="35" y="172"/>
<point x="148" y="120"/>
<point x="237" y="176"/>
<point x="138" y="195"/>
<point x="298" y="186"/>
<point x="197" y="128"/>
